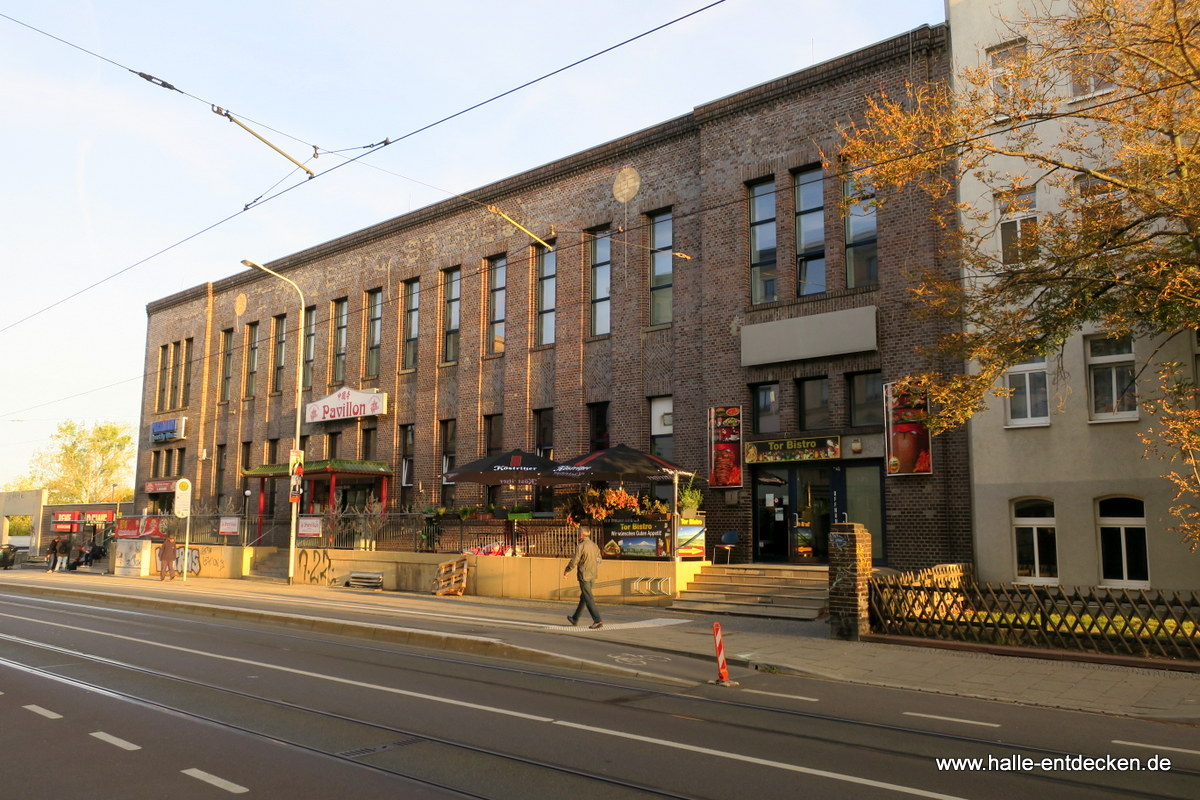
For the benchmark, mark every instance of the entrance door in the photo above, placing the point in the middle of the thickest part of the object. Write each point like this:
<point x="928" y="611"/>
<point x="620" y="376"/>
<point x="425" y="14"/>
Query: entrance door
<point x="795" y="505"/>
<point x="772" y="512"/>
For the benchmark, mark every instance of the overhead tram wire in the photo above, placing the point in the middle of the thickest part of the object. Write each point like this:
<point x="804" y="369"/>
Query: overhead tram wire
<point x="367" y="151"/>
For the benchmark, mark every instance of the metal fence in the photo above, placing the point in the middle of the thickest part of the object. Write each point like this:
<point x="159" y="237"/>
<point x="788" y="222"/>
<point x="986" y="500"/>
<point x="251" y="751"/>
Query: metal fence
<point x="414" y="533"/>
<point x="950" y="605"/>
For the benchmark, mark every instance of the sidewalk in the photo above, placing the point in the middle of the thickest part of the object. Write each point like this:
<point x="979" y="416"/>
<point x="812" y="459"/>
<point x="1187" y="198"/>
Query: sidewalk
<point x="539" y="627"/>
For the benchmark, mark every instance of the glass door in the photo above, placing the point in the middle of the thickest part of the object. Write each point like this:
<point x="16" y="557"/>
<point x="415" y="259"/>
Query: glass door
<point x="772" y="513"/>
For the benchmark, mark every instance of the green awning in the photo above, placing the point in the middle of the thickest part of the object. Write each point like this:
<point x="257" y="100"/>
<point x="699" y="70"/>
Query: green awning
<point x="340" y="466"/>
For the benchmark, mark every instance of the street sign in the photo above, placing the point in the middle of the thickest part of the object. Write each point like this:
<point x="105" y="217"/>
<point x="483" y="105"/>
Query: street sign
<point x="183" y="498"/>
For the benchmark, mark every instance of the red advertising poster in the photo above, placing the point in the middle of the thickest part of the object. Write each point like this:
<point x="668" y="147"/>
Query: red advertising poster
<point x="725" y="447"/>
<point x="64" y="521"/>
<point x="133" y="527"/>
<point x="907" y="436"/>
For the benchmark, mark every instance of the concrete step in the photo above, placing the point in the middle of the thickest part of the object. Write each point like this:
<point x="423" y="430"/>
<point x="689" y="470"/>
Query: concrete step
<point x="766" y="584"/>
<point x="747" y="609"/>
<point x="791" y="572"/>
<point x="795" y="597"/>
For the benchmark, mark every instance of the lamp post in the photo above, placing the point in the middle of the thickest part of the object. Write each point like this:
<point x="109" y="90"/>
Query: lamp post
<point x="295" y="522"/>
<point x="246" y="517"/>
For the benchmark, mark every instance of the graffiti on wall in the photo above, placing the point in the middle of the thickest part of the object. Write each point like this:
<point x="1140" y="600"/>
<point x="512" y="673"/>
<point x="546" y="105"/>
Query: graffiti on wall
<point x="315" y="566"/>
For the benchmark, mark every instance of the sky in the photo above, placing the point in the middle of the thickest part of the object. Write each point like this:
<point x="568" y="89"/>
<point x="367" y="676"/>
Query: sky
<point x="118" y="191"/>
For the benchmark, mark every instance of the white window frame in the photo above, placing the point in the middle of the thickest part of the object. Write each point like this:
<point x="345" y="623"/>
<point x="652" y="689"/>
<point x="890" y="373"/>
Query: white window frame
<point x="1123" y="524"/>
<point x="1034" y="525"/>
<point x="1018" y="222"/>
<point x="1019" y="380"/>
<point x="1109" y="364"/>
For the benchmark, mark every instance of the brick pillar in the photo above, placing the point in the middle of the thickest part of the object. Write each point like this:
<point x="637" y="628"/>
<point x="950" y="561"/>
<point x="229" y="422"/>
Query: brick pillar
<point x="849" y="573"/>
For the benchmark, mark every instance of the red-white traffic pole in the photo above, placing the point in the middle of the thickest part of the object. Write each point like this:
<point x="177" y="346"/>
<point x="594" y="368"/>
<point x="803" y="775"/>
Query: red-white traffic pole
<point x="722" y="667"/>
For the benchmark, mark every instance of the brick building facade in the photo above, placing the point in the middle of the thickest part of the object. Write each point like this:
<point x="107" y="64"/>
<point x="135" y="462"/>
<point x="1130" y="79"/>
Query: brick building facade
<point x="677" y="284"/>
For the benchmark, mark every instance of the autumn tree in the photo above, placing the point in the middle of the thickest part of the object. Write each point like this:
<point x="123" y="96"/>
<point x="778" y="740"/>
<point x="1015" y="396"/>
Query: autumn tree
<point x="82" y="464"/>
<point x="1096" y="103"/>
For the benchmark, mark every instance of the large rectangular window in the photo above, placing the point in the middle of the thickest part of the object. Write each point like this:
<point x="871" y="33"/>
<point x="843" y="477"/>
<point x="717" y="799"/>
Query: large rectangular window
<point x="374" y="331"/>
<point x="862" y="237"/>
<point x="176" y="372"/>
<point x="1029" y="403"/>
<point x="1009" y="73"/>
<point x="341" y="324"/>
<point x="600" y="257"/>
<point x="310" y="344"/>
<point x="1112" y="379"/>
<point x="1124" y="560"/>
<point x="412" y="322"/>
<point x="368" y="437"/>
<point x="279" y="352"/>
<point x="251" y="363"/>
<point x="543" y="445"/>
<point x="1036" y="539"/>
<point x="497" y="270"/>
<point x="810" y="232"/>
<point x="662" y="265"/>
<point x="813" y="401"/>
<point x="185" y="387"/>
<point x="662" y="441"/>
<point x="866" y="398"/>
<point x="451" y="313"/>
<point x="493" y="434"/>
<point x="449" y="441"/>
<point x="164" y="377"/>
<point x="547" y="275"/>
<point x="763" y="269"/>
<point x="226" y="363"/>
<point x="407" y="437"/>
<point x="1018" y="225"/>
<point x="598" y="436"/>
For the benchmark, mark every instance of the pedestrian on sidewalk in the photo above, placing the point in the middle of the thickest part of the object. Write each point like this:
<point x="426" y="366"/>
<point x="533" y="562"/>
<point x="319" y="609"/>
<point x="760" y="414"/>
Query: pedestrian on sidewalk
<point x="52" y="553"/>
<point x="586" y="563"/>
<point x="166" y="558"/>
<point x="62" y="551"/>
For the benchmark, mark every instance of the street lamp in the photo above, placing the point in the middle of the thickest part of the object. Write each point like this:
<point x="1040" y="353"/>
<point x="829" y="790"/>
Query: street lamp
<point x="299" y="409"/>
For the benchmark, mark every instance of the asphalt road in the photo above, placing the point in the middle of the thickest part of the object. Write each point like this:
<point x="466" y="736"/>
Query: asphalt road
<point x="111" y="702"/>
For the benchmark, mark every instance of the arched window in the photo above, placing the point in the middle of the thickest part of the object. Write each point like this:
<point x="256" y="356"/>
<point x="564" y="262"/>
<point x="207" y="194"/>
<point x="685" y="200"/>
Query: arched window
<point x="1122" y="527"/>
<point x="1036" y="538"/>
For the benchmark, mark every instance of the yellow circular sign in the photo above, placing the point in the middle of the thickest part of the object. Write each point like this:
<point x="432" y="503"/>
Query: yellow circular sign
<point x="183" y="485"/>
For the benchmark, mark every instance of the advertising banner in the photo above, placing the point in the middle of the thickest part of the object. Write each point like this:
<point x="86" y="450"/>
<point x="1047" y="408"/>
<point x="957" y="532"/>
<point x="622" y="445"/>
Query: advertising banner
<point x="228" y="526"/>
<point x="308" y="526"/>
<point x="725" y="447"/>
<point x="906" y="434"/>
<point x="133" y="527"/>
<point x="691" y="538"/>
<point x="64" y="521"/>
<point x="768" y="451"/>
<point x="346" y="404"/>
<point x="636" y="538"/>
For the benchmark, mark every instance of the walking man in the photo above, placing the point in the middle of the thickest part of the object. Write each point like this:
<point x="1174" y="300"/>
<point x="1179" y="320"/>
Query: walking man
<point x="586" y="563"/>
<point x="166" y="558"/>
<point x="52" y="553"/>
<point x="63" y="550"/>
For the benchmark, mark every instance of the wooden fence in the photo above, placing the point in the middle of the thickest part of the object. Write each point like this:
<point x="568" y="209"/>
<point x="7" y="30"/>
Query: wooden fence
<point x="947" y="603"/>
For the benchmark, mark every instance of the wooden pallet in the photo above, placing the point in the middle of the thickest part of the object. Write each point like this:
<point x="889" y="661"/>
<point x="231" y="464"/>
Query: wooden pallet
<point x="451" y="577"/>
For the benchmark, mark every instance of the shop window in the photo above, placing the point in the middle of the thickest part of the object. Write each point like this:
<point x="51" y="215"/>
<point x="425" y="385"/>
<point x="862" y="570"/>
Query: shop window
<point x="866" y="399"/>
<point x="1124" y="560"/>
<point x="497" y="270"/>
<point x="600" y="256"/>
<point x="662" y="264"/>
<point x="763" y="270"/>
<point x="1112" y="380"/>
<point x="766" y="408"/>
<point x="810" y="231"/>
<point x="813" y="401"/>
<point x="1029" y="402"/>
<point x="1036" y="539"/>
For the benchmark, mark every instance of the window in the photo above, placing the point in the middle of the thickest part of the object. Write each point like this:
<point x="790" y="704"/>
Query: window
<point x="1111" y="377"/>
<point x="176" y="373"/>
<point x="762" y="243"/>
<point x="412" y="298"/>
<point x="164" y="376"/>
<point x="1035" y="535"/>
<point x="662" y="246"/>
<point x="226" y="363"/>
<point x="279" y="354"/>
<point x="1018" y="225"/>
<point x="374" y="331"/>
<point x="245" y="459"/>
<point x="452" y="291"/>
<point x="1009" y="74"/>
<point x="600" y="259"/>
<point x="1029" y="402"/>
<point x="341" y="322"/>
<point x="332" y="441"/>
<point x="185" y="388"/>
<point x="866" y="399"/>
<point x="662" y="441"/>
<point x="547" y="271"/>
<point x="497" y="268"/>
<point x="862" y="242"/>
<point x="219" y="466"/>
<point x="766" y="408"/>
<point x="449" y="440"/>
<point x="310" y="344"/>
<point x="1091" y="71"/>
<point x="598" y="438"/>
<point x="272" y="452"/>
<point x="813" y="400"/>
<point x="493" y="434"/>
<point x="367" y="439"/>
<point x="810" y="232"/>
<point x="155" y="463"/>
<point x="251" y="358"/>
<point x="1123" y="557"/>
<point x="407" y="436"/>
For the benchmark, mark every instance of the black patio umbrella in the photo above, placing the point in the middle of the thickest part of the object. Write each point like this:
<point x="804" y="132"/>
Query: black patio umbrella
<point x="620" y="463"/>
<point x="515" y="466"/>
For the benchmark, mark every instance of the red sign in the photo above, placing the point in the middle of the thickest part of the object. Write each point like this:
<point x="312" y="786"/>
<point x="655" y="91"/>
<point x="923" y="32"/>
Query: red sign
<point x="64" y="521"/>
<point x="134" y="527"/>
<point x="907" y="439"/>
<point x="158" y="487"/>
<point x="98" y="517"/>
<point x="725" y="447"/>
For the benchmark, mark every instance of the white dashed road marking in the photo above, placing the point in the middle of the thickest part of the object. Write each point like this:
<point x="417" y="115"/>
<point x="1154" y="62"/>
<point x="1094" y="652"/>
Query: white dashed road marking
<point x="220" y="783"/>
<point x="784" y="696"/>
<point x="1157" y="747"/>
<point x="45" y="712"/>
<point x="113" y="740"/>
<point x="952" y="719"/>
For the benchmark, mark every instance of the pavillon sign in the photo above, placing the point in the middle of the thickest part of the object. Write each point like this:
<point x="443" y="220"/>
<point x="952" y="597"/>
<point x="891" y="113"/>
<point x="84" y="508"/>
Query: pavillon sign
<point x="346" y="404"/>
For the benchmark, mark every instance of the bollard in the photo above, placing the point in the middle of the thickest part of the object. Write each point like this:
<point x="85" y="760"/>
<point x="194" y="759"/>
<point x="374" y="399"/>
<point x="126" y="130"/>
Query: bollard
<point x="722" y="667"/>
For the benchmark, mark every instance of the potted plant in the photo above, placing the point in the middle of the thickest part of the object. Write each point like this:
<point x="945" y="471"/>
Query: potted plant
<point x="690" y="498"/>
<point x="519" y="511"/>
